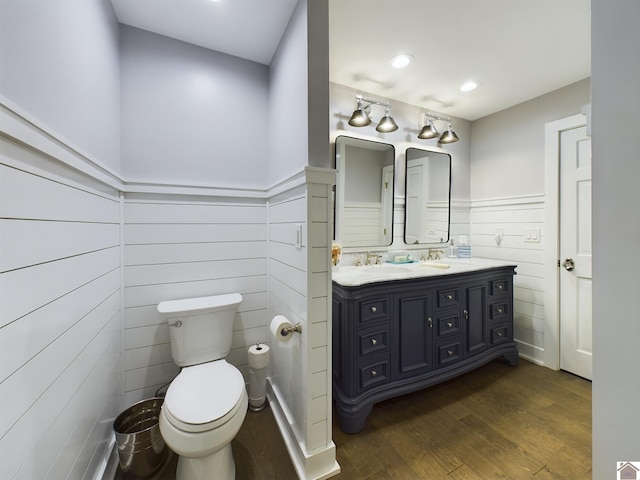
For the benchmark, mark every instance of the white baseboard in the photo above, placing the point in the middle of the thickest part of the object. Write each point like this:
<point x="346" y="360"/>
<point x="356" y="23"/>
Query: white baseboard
<point x="109" y="465"/>
<point x="319" y="465"/>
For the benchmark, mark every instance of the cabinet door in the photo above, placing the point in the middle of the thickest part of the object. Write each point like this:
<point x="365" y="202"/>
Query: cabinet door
<point x="475" y="318"/>
<point x="414" y="332"/>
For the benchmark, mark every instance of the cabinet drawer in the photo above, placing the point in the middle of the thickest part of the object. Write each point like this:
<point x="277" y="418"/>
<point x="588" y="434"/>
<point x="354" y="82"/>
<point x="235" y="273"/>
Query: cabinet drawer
<point x="500" y="286"/>
<point x="374" y="374"/>
<point x="448" y="324"/>
<point x="448" y="352"/>
<point x="500" y="333"/>
<point x="499" y="311"/>
<point x="374" y="341"/>
<point x="449" y="297"/>
<point x="374" y="309"/>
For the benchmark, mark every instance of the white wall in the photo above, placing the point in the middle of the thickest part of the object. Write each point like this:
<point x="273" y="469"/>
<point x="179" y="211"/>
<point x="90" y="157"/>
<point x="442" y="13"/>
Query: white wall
<point x="616" y="170"/>
<point x="507" y="195"/>
<point x="60" y="381"/>
<point x="178" y="246"/>
<point x="60" y="64"/>
<point x="190" y="114"/>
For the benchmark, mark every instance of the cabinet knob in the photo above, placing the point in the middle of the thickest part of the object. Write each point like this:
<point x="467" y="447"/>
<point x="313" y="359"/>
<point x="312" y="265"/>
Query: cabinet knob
<point x="499" y="310"/>
<point x="499" y="286"/>
<point x="449" y="352"/>
<point x="374" y="373"/>
<point x="374" y="309"/>
<point x="374" y="341"/>
<point x="449" y="296"/>
<point x="430" y="322"/>
<point x="499" y="334"/>
<point x="449" y="324"/>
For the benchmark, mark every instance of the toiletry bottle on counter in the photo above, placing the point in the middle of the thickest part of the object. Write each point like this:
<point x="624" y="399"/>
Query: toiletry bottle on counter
<point x="452" y="250"/>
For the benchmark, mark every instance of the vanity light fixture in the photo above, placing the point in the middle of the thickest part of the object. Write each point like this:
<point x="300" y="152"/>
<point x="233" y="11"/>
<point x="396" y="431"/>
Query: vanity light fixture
<point x="360" y="117"/>
<point x="429" y="130"/>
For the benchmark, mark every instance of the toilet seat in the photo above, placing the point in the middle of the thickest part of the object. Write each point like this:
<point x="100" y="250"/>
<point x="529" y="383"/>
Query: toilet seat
<point x="203" y="397"/>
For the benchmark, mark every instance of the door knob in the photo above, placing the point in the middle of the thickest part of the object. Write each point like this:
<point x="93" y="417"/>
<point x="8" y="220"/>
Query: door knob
<point x="568" y="264"/>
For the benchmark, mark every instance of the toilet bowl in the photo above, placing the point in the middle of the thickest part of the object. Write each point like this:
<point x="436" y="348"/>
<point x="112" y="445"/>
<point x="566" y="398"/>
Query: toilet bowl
<point x="206" y="403"/>
<point x="202" y="412"/>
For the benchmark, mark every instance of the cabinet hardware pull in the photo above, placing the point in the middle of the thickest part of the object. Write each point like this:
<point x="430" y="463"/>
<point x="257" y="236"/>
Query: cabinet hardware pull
<point x="449" y="352"/>
<point x="499" y="310"/>
<point x="374" y="309"/>
<point x="449" y="324"/>
<point x="374" y="341"/>
<point x="499" y="334"/>
<point x="499" y="286"/>
<point x="430" y="322"/>
<point x="373" y="373"/>
<point x="466" y="314"/>
<point x="449" y="296"/>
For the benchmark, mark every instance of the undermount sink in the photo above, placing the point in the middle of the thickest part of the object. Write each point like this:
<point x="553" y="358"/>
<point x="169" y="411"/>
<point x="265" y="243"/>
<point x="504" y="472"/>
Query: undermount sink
<point x="434" y="265"/>
<point x="385" y="269"/>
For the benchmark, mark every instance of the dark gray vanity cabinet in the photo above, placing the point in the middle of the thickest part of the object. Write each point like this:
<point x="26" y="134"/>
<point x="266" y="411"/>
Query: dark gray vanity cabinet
<point x="395" y="337"/>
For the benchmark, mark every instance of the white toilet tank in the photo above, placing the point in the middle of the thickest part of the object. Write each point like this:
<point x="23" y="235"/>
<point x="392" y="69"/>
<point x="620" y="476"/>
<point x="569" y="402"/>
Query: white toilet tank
<point x="200" y="328"/>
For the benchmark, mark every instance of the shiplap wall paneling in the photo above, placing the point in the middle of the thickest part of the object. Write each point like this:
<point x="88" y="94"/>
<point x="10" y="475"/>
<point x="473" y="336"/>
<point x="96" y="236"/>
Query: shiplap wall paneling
<point x="512" y="217"/>
<point x="60" y="380"/>
<point x="288" y="283"/>
<point x="318" y="432"/>
<point x="361" y="224"/>
<point x="183" y="248"/>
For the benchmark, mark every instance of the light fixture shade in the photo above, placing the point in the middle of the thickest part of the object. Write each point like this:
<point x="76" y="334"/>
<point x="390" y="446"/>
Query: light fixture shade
<point x="359" y="117"/>
<point x="387" y="124"/>
<point x="428" y="131"/>
<point x="449" y="136"/>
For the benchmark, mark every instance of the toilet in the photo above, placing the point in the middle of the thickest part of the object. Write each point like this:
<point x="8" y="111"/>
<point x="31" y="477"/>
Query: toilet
<point x="206" y="403"/>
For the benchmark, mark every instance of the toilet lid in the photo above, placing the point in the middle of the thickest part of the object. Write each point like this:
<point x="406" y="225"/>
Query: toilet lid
<point x="202" y="394"/>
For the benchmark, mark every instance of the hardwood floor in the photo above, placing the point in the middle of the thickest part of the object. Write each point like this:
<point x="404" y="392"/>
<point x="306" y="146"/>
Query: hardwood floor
<point x="498" y="422"/>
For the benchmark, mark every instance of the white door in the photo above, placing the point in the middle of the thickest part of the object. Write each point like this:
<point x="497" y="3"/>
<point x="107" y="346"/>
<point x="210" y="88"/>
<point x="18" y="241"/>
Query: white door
<point x="415" y="211"/>
<point x="386" y="198"/>
<point x="575" y="252"/>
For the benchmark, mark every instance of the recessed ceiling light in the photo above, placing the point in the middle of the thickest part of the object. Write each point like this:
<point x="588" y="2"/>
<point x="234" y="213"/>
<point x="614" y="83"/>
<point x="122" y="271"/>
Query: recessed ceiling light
<point x="468" y="86"/>
<point x="401" y="61"/>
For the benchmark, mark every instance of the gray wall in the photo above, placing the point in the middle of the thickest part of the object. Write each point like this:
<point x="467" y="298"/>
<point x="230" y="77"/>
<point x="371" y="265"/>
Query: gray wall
<point x="616" y="170"/>
<point x="60" y="63"/>
<point x="299" y="94"/>
<point x="511" y="143"/>
<point x="190" y="114"/>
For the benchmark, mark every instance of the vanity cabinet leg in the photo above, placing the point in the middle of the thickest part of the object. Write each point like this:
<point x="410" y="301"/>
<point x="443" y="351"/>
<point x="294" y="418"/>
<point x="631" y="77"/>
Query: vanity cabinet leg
<point x="352" y="421"/>
<point x="512" y="358"/>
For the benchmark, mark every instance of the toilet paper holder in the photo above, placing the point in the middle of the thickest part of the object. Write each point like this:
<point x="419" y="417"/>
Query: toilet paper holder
<point x="297" y="328"/>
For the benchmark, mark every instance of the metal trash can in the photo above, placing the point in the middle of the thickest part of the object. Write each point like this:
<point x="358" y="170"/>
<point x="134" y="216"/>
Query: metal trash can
<point x="141" y="448"/>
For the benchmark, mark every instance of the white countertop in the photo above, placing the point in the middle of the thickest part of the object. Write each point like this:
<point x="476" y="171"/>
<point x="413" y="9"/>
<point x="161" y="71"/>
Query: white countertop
<point x="351" y="276"/>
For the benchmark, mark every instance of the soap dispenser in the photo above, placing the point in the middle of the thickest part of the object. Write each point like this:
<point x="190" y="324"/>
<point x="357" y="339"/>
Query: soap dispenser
<point x="452" y="250"/>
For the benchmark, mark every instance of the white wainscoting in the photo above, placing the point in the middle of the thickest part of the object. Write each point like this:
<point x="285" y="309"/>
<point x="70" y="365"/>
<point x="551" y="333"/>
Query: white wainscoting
<point x="181" y="247"/>
<point x="60" y="375"/>
<point x="458" y="224"/>
<point x="299" y="282"/>
<point x="512" y="216"/>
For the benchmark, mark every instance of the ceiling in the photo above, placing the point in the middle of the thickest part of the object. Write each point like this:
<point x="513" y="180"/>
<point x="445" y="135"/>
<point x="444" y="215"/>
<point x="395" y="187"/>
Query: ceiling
<point x="515" y="49"/>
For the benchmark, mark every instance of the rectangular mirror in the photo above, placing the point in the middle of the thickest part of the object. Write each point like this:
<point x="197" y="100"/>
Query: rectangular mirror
<point x="364" y="193"/>
<point x="427" y="196"/>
